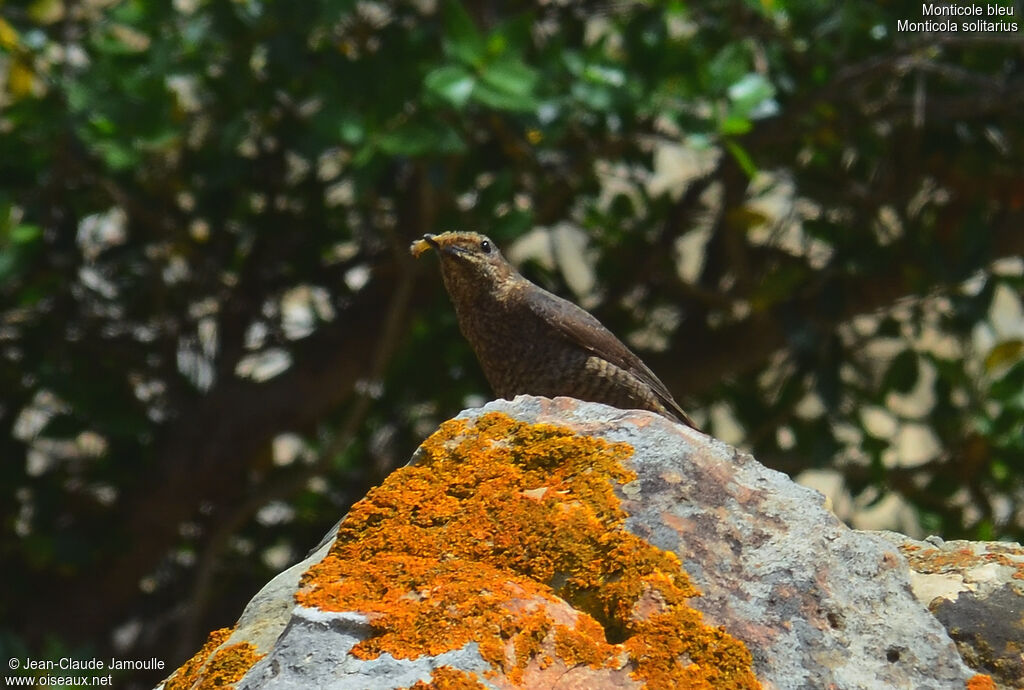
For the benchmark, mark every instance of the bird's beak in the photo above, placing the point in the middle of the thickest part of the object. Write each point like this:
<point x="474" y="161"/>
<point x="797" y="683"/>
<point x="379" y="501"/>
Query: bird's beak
<point x="442" y="249"/>
<point x="429" y="241"/>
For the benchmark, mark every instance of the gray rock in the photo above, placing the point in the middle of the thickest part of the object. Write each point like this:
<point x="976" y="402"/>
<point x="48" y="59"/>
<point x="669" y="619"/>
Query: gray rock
<point x="976" y="590"/>
<point x="313" y="652"/>
<point x="817" y="604"/>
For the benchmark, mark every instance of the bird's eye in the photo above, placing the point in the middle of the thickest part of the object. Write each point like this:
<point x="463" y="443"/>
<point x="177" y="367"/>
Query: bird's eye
<point x="485" y="247"/>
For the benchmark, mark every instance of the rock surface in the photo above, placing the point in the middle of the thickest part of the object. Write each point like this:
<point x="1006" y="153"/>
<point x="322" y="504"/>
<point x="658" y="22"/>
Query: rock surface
<point x="815" y="603"/>
<point x="976" y="590"/>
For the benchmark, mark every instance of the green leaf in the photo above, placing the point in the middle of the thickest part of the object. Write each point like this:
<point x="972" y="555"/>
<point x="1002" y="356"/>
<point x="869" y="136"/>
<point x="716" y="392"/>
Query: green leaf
<point x="485" y="94"/>
<point x="418" y="139"/>
<point x="752" y="96"/>
<point x="496" y="44"/>
<point x="462" y="37"/>
<point x="728" y="66"/>
<point x="742" y="157"/>
<point x="601" y="74"/>
<point x="511" y="77"/>
<point x="512" y="35"/>
<point x="1004" y="353"/>
<point x="752" y="88"/>
<point x="574" y="62"/>
<point x="1010" y="386"/>
<point x="351" y="130"/>
<point x="593" y="96"/>
<point x="407" y="141"/>
<point x="363" y="155"/>
<point x="1000" y="471"/>
<point x="46" y="11"/>
<point x="452" y="83"/>
<point x="103" y="125"/>
<point x="116" y="155"/>
<point x="734" y="124"/>
<point x="985" y="531"/>
<point x="23" y="234"/>
<point x="8" y="265"/>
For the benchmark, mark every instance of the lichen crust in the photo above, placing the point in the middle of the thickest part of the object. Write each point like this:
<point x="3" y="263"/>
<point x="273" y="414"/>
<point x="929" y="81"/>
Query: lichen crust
<point x="215" y="665"/>
<point x="510" y="535"/>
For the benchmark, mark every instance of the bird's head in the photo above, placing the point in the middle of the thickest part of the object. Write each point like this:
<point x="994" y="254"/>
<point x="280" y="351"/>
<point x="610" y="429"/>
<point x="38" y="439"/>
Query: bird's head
<point x="468" y="260"/>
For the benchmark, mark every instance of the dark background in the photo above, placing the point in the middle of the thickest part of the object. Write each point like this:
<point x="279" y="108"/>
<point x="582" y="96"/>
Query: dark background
<point x="213" y="339"/>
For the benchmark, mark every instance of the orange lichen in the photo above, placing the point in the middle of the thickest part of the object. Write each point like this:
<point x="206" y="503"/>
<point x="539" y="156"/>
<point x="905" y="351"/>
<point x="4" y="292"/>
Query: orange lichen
<point x="935" y="560"/>
<point x="215" y="668"/>
<point x="228" y="665"/>
<point x="678" y="651"/>
<point x="448" y="678"/>
<point x="187" y="674"/>
<point x="981" y="681"/>
<point x="485" y="538"/>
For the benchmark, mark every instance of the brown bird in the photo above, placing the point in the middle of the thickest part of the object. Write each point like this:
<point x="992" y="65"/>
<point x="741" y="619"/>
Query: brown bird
<point x="530" y="341"/>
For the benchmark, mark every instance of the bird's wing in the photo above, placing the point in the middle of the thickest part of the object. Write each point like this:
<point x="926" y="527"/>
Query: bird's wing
<point x="580" y="328"/>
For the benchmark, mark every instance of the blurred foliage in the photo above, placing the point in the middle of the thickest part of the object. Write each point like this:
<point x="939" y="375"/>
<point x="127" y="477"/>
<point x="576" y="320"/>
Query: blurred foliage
<point x="212" y="339"/>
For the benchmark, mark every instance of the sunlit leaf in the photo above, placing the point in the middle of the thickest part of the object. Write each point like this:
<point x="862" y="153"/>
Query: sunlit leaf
<point x="1004" y="353"/>
<point x="8" y="35"/>
<point x="600" y="74"/>
<point x="751" y="90"/>
<point x="46" y="11"/>
<point x="23" y="234"/>
<point x="743" y="158"/>
<point x="1010" y="386"/>
<point x="453" y="84"/>
<point x="734" y="124"/>
<point x="486" y="94"/>
<point x="511" y="77"/>
<point x="351" y="130"/>
<point x="20" y="79"/>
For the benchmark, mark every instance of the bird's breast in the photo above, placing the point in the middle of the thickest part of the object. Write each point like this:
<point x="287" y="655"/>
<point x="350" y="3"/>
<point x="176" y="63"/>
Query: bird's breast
<point x="516" y="350"/>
